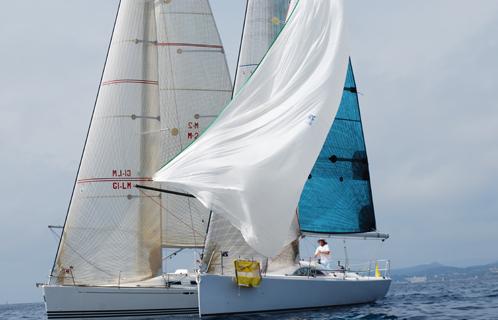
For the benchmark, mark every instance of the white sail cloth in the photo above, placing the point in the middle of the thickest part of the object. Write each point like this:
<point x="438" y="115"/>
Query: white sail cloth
<point x="252" y="163"/>
<point x="263" y="22"/>
<point x="165" y="77"/>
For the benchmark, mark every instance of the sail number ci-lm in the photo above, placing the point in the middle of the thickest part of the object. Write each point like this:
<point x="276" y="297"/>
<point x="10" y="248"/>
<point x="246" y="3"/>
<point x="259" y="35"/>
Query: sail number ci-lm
<point x="121" y="185"/>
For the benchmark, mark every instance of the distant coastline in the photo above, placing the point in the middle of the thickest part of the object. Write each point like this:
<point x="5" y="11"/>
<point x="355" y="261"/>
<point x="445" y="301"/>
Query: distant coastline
<point x="439" y="272"/>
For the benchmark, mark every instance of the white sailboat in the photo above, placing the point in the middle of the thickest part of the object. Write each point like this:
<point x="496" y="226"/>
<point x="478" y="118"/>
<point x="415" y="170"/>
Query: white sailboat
<point x="165" y="79"/>
<point x="291" y="138"/>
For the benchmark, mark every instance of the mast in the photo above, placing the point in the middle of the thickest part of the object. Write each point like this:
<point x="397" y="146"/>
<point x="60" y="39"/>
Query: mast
<point x="240" y="46"/>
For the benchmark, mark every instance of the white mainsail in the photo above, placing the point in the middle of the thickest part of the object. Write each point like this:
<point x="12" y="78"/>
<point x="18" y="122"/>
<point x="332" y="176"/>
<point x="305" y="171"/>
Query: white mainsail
<point x="164" y="81"/>
<point x="251" y="165"/>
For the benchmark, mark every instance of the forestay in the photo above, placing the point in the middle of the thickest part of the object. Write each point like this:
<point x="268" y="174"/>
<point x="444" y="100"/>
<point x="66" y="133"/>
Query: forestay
<point x="165" y="79"/>
<point x="252" y="163"/>
<point x="337" y="197"/>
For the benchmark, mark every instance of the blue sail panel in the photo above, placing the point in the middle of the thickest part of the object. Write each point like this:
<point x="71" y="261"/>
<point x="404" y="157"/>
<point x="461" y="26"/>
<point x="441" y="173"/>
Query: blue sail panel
<point x="337" y="197"/>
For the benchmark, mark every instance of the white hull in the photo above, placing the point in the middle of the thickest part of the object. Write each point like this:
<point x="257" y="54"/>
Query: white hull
<point x="77" y="302"/>
<point x="220" y="295"/>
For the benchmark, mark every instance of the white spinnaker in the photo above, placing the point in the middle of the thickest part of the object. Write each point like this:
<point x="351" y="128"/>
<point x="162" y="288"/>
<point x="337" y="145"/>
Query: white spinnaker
<point x="263" y="21"/>
<point x="113" y="230"/>
<point x="252" y="163"/>
<point x="194" y="84"/>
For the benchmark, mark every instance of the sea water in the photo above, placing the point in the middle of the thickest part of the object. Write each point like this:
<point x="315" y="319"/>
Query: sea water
<point x="453" y="299"/>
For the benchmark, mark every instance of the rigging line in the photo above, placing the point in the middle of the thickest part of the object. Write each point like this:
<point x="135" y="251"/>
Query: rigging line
<point x="57" y="236"/>
<point x="162" y="207"/>
<point x="305" y="249"/>
<point x="173" y="254"/>
<point x="85" y="259"/>
<point x="377" y="250"/>
<point x="298" y="223"/>
<point x="191" y="221"/>
<point x="86" y="138"/>
<point x="207" y="230"/>
<point x="199" y="215"/>
<point x="240" y="48"/>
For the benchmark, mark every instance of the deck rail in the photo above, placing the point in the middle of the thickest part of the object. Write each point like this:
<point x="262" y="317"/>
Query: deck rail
<point x="371" y="268"/>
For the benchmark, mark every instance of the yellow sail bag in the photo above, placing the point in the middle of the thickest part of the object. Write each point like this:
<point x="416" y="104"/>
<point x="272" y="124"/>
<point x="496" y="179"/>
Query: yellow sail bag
<point x="247" y="273"/>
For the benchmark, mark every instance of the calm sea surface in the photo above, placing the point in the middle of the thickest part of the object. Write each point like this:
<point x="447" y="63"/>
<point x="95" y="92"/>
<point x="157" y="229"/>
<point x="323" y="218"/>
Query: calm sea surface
<point x="467" y="299"/>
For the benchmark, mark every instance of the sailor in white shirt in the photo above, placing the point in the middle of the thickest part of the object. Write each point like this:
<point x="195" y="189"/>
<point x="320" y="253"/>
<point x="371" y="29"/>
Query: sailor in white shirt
<point x="322" y="253"/>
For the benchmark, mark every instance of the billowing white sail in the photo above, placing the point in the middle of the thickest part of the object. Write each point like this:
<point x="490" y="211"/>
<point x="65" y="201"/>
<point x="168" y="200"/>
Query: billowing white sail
<point x="263" y="22"/>
<point x="165" y="78"/>
<point x="252" y="163"/>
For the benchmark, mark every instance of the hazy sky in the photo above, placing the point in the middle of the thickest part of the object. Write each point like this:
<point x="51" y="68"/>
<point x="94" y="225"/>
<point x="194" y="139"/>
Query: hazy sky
<point x="427" y="71"/>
